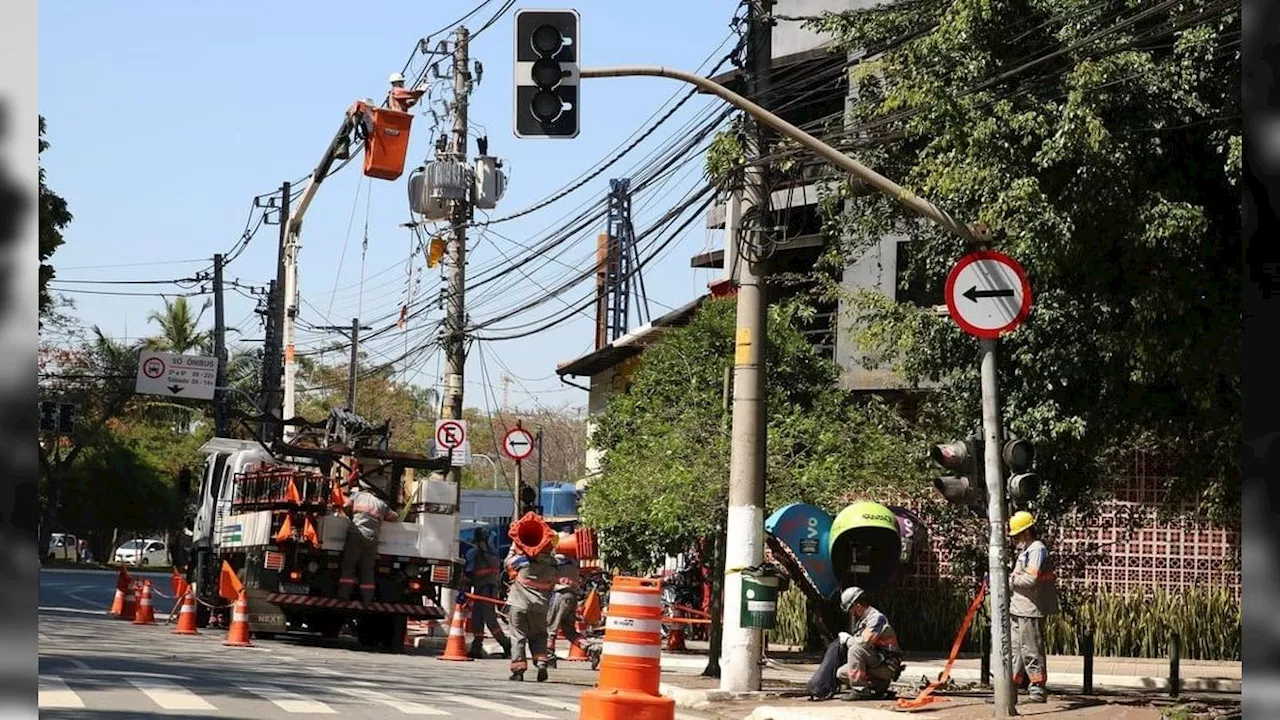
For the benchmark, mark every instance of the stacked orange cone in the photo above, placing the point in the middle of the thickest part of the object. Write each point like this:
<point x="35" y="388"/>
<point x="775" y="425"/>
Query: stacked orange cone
<point x="456" y="647"/>
<point x="238" y="633"/>
<point x="675" y="638"/>
<point x="187" y="615"/>
<point x="631" y="666"/>
<point x="575" y="650"/>
<point x="146" y="614"/>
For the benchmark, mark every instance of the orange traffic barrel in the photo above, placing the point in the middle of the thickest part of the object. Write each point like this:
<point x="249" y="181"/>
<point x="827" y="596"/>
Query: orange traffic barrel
<point x="631" y="662"/>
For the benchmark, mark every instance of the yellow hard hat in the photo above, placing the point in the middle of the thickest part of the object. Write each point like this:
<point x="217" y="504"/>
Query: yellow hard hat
<point x="1020" y="521"/>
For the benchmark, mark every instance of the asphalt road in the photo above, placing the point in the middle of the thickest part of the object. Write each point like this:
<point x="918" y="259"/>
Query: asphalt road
<point x="94" y="666"/>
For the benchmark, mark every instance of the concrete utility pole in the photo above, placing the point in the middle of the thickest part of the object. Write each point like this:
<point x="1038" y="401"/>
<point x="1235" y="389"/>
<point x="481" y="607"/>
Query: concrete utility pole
<point x="455" y="345"/>
<point x="353" y="334"/>
<point x="219" y="351"/>
<point x="279" y="309"/>
<point x="997" y="549"/>
<point x="289" y="321"/>
<point x="270" y="363"/>
<point x="744" y="541"/>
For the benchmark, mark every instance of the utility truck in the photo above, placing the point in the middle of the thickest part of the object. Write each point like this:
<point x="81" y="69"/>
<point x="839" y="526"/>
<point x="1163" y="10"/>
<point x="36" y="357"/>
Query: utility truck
<point x="272" y="512"/>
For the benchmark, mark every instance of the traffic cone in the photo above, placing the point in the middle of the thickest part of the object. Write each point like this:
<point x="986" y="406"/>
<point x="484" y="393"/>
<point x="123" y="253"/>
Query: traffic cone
<point x="146" y="614"/>
<point x="456" y="647"/>
<point x="238" y="633"/>
<point x="187" y="615"/>
<point x="675" y="637"/>
<point x="130" y="609"/>
<point x="575" y="650"/>
<point x="122" y="584"/>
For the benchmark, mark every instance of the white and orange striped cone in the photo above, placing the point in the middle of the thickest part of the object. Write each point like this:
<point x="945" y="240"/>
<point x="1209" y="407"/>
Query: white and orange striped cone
<point x="238" y="633"/>
<point x="456" y="647"/>
<point x="122" y="584"/>
<point x="187" y="615"/>
<point x="146" y="614"/>
<point x="130" y="609"/>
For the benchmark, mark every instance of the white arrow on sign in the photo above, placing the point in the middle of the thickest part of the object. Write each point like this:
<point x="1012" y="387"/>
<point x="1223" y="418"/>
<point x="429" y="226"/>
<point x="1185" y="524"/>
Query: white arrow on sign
<point x="988" y="294"/>
<point x="517" y="444"/>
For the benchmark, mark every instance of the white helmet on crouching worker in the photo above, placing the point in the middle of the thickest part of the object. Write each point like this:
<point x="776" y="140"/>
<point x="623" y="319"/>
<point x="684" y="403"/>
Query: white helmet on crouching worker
<point x="849" y="597"/>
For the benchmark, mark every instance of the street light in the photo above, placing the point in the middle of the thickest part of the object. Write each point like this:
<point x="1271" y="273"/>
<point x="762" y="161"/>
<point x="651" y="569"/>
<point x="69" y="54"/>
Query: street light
<point x="492" y="465"/>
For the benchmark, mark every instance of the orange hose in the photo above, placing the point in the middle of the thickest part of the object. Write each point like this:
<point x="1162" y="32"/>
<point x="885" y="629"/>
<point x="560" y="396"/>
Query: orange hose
<point x="924" y="698"/>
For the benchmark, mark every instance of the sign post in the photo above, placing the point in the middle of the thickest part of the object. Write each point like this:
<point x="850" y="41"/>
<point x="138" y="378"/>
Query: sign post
<point x="988" y="295"/>
<point x="517" y="444"/>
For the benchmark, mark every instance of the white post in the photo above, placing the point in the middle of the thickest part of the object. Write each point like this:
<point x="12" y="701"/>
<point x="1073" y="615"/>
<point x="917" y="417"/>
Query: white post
<point x="1005" y="693"/>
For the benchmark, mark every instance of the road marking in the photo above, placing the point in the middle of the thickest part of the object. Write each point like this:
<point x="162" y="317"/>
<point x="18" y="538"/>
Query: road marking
<point x="79" y="611"/>
<point x="55" y="693"/>
<point x="404" y="706"/>
<point x="78" y="663"/>
<point x="510" y="710"/>
<point x="557" y="704"/>
<point x="170" y="695"/>
<point x="43" y="637"/>
<point x="288" y="701"/>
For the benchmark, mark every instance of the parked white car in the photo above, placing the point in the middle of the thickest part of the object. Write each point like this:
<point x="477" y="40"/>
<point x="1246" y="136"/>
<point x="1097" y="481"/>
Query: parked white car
<point x="62" y="547"/>
<point x="142" y="553"/>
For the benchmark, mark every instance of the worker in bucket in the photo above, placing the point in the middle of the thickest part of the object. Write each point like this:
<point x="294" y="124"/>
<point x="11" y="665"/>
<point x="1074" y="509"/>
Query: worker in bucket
<point x="563" y="612"/>
<point x="360" y="551"/>
<point x="867" y="658"/>
<point x="1033" y="596"/>
<point x="534" y="578"/>
<point x="481" y="570"/>
<point x="399" y="98"/>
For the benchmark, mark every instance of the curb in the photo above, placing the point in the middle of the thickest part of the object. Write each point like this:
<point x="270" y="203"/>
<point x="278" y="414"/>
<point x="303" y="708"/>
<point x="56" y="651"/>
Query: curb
<point x="845" y="713"/>
<point x="695" y="699"/>
<point x="1076" y="680"/>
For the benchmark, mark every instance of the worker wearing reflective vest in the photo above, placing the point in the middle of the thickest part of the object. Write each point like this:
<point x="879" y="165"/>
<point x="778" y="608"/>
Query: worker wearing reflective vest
<point x="531" y="586"/>
<point x="564" y="606"/>
<point x="360" y="551"/>
<point x="481" y="570"/>
<point x="874" y="659"/>
<point x="1033" y="596"/>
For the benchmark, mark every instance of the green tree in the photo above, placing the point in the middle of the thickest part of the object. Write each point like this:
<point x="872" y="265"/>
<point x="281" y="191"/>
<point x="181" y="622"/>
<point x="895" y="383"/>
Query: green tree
<point x="180" y="328"/>
<point x="54" y="217"/>
<point x="664" y="480"/>
<point x="1100" y="141"/>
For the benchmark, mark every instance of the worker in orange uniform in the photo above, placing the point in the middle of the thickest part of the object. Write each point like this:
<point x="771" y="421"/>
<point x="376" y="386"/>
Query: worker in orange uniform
<point x="564" y="607"/>
<point x="1033" y="596"/>
<point x="534" y="578"/>
<point x="481" y="570"/>
<point x="360" y="551"/>
<point x="400" y="98"/>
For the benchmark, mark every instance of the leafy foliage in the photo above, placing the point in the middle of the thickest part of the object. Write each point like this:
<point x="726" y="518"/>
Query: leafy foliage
<point x="54" y="217"/>
<point x="664" y="475"/>
<point x="1100" y="143"/>
<point x="180" y="328"/>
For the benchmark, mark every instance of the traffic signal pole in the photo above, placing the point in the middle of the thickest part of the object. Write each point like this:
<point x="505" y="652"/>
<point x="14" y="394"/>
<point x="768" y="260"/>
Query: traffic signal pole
<point x="997" y="548"/>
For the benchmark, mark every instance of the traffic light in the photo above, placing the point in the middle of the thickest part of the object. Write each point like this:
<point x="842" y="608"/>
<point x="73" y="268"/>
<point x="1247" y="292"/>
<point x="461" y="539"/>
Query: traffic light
<point x="963" y="458"/>
<point x="546" y="73"/>
<point x="528" y="499"/>
<point x="1020" y="456"/>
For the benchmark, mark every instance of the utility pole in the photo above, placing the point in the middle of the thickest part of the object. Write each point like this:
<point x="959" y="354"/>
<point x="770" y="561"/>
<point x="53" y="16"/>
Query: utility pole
<point x="270" y="363"/>
<point x="997" y="554"/>
<point x="744" y="541"/>
<point x="539" y="487"/>
<point x="219" y="351"/>
<point x="455" y="346"/>
<point x="289" y="304"/>
<point x="279" y="308"/>
<point x="353" y="334"/>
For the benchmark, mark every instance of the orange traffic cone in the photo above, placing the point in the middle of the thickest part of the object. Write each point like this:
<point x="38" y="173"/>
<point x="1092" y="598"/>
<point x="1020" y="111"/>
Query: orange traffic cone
<point x="675" y="637"/>
<point x="146" y="615"/>
<point x="187" y="615"/>
<point x="238" y="633"/>
<point x="456" y="647"/>
<point x="130" y="609"/>
<point x="122" y="584"/>
<point x="575" y="650"/>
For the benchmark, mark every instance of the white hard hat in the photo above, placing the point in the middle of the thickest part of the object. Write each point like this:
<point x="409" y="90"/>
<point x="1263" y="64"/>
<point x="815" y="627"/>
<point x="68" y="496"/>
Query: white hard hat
<point x="849" y="597"/>
<point x="395" y="78"/>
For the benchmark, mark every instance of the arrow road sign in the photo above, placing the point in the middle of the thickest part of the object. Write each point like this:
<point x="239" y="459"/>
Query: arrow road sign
<point x="988" y="294"/>
<point x="517" y="444"/>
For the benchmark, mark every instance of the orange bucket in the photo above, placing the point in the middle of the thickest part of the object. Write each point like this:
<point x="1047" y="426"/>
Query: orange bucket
<point x="386" y="147"/>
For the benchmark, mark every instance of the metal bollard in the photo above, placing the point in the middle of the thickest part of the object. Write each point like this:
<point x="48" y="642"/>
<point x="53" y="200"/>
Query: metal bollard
<point x="1175" y="656"/>
<point x="1086" y="649"/>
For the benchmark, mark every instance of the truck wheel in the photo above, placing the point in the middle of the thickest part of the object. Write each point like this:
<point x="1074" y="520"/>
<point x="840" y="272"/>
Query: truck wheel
<point x="370" y="630"/>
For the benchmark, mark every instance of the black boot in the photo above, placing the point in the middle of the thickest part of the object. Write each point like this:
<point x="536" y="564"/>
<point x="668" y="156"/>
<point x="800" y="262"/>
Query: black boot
<point x="517" y="675"/>
<point x="477" y="649"/>
<point x="542" y="673"/>
<point x="506" y="648"/>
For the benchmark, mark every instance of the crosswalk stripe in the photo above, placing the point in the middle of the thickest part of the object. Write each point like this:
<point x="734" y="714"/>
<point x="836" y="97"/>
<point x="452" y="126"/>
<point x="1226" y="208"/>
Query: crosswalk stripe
<point x="405" y="706"/>
<point x="288" y="701"/>
<point x="170" y="695"/>
<point x="55" y="693"/>
<point x="510" y="710"/>
<point x="557" y="704"/>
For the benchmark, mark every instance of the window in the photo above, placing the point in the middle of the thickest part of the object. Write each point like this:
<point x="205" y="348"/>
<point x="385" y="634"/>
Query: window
<point x="909" y="286"/>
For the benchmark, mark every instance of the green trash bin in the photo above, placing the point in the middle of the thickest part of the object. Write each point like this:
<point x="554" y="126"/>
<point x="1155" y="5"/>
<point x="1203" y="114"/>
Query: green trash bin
<point x="760" y="589"/>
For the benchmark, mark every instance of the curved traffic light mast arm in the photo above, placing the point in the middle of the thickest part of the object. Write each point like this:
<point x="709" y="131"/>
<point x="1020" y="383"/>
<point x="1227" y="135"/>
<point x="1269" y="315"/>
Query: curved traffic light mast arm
<point x="910" y="200"/>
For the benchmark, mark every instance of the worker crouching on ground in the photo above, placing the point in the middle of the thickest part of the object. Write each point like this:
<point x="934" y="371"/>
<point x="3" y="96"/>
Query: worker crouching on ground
<point x="868" y="658"/>
<point x="481" y="570"/>
<point x="563" y="612"/>
<point x="1033" y="596"/>
<point x="360" y="551"/>
<point x="527" y="600"/>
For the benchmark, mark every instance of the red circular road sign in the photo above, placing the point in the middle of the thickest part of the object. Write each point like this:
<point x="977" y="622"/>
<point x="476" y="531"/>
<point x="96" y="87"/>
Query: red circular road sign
<point x="517" y="444"/>
<point x="451" y="434"/>
<point x="988" y="294"/>
<point x="153" y="368"/>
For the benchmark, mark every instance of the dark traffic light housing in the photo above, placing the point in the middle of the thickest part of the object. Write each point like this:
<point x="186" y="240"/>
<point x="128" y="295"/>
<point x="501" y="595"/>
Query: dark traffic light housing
<point x="965" y="484"/>
<point x="1019" y="457"/>
<point x="546" y="73"/>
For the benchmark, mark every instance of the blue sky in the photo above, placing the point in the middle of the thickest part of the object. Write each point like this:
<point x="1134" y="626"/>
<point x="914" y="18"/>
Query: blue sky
<point x="166" y="118"/>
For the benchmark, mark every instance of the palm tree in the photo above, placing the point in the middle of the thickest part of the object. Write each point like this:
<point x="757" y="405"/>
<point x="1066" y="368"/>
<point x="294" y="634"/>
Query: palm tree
<point x="179" y="331"/>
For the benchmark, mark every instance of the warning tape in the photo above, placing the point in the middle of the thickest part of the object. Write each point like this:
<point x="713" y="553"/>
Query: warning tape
<point x="926" y="696"/>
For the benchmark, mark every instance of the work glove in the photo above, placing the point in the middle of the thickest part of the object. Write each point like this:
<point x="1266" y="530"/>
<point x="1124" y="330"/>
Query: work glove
<point x="461" y="598"/>
<point x="844" y="638"/>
